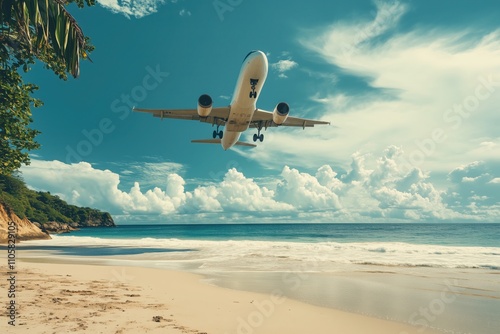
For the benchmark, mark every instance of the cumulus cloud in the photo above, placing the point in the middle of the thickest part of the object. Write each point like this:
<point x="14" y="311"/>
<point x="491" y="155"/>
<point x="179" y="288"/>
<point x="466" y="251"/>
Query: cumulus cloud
<point x="146" y="173"/>
<point x="135" y="8"/>
<point x="390" y="191"/>
<point x="475" y="188"/>
<point x="304" y="191"/>
<point x="385" y="192"/>
<point x="283" y="66"/>
<point x="82" y="184"/>
<point x="236" y="193"/>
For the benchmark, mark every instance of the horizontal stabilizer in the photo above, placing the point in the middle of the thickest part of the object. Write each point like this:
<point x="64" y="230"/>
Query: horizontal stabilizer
<point x="217" y="141"/>
<point x="240" y="143"/>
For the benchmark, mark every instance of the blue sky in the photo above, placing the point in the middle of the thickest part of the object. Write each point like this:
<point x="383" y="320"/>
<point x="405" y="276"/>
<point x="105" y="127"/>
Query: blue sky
<point x="412" y="89"/>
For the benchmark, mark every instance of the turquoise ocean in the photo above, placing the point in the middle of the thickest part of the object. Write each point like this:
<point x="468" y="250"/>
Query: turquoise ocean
<point x="411" y="245"/>
<point x="344" y="266"/>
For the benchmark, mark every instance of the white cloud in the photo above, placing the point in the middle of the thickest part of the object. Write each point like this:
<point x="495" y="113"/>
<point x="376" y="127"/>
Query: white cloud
<point x="184" y="12"/>
<point x="148" y="174"/>
<point x="283" y="66"/>
<point x="432" y="91"/>
<point x="237" y="193"/>
<point x="386" y="192"/>
<point x="475" y="189"/>
<point x="389" y="191"/>
<point x="304" y="191"/>
<point x="135" y="8"/>
<point x="345" y="39"/>
<point x="82" y="184"/>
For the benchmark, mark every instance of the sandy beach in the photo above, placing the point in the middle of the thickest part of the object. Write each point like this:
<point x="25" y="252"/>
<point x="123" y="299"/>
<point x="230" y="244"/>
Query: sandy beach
<point x="62" y="298"/>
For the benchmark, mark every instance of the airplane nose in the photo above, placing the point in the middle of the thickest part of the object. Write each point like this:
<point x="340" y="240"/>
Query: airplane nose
<point x="256" y="55"/>
<point x="260" y="54"/>
<point x="260" y="57"/>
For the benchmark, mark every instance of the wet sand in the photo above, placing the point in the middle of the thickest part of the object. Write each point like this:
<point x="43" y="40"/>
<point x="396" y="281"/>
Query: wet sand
<point x="62" y="298"/>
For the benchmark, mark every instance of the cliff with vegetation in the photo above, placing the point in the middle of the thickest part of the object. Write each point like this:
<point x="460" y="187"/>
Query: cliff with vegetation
<point x="24" y="228"/>
<point x="40" y="212"/>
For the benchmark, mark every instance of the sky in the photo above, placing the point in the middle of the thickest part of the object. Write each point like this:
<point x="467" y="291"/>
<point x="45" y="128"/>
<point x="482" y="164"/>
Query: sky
<point x="411" y="88"/>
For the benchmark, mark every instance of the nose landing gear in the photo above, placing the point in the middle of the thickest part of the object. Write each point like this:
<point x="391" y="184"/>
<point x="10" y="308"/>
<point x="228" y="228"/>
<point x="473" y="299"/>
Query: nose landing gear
<point x="253" y="84"/>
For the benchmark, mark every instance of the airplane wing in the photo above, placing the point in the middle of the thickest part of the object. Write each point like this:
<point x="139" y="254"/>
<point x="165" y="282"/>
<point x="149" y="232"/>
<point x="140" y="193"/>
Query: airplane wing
<point x="264" y="119"/>
<point x="217" y="116"/>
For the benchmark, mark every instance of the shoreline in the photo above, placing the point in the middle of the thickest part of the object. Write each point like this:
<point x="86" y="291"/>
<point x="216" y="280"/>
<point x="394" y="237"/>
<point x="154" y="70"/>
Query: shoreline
<point x="120" y="299"/>
<point x="461" y="297"/>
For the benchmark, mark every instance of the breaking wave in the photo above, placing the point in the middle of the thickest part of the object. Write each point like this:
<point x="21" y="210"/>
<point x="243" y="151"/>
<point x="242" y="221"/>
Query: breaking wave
<point x="251" y="255"/>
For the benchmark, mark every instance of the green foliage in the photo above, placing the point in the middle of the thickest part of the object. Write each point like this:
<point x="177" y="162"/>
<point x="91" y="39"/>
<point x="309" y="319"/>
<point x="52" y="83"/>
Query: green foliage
<point x="30" y="30"/>
<point x="43" y="29"/>
<point x="16" y="138"/>
<point x="15" y="204"/>
<point x="43" y="207"/>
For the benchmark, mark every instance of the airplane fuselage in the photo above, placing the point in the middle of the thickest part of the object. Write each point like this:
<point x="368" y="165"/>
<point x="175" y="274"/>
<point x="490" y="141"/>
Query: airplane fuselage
<point x="242" y="113"/>
<point x="251" y="79"/>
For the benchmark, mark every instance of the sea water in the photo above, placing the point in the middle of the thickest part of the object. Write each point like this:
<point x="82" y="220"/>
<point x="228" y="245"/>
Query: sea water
<point x="277" y="247"/>
<point x="346" y="266"/>
<point x="485" y="235"/>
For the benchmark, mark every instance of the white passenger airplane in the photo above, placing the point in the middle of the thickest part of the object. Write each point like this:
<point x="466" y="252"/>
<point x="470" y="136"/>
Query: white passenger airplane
<point x="242" y="113"/>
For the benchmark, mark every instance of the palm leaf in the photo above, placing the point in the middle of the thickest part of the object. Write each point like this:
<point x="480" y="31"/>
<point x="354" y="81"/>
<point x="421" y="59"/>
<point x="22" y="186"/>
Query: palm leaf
<point x="45" y="25"/>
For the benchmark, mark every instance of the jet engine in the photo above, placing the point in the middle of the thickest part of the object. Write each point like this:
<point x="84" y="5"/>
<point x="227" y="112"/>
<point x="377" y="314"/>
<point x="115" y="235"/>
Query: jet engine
<point x="280" y="113"/>
<point x="204" y="105"/>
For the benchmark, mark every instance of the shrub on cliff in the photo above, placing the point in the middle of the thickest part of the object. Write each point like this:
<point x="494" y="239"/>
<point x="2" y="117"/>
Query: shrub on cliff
<point x="42" y="207"/>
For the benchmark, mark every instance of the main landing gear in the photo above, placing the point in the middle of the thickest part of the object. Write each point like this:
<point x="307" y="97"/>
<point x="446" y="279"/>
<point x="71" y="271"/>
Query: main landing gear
<point x="218" y="133"/>
<point x="258" y="135"/>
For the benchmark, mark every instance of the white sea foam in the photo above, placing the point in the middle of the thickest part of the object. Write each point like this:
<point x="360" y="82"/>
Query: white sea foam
<point x="283" y="256"/>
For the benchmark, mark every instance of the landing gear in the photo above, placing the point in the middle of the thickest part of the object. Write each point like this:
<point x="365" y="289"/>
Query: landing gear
<point x="217" y="133"/>
<point x="258" y="135"/>
<point x="253" y="84"/>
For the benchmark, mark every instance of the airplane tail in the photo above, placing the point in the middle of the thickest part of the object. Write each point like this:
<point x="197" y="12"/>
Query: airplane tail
<point x="217" y="141"/>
